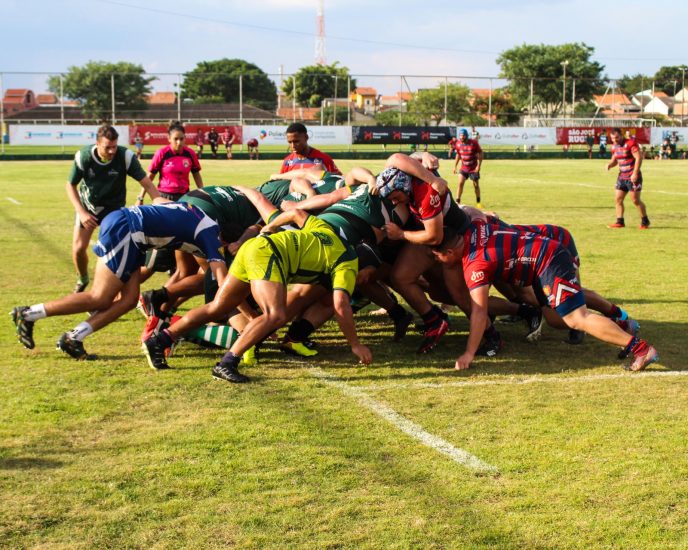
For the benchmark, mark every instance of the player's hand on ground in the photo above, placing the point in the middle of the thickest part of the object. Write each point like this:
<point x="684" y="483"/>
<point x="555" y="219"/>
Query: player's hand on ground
<point x="464" y="362"/>
<point x="393" y="231"/>
<point x="365" y="356"/>
<point x="87" y="220"/>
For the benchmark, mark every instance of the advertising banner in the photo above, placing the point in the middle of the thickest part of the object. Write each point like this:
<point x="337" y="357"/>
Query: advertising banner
<point x="515" y="135"/>
<point x="156" y="134"/>
<point x="401" y="134"/>
<point x="317" y="135"/>
<point x="56" y="134"/>
<point x="579" y="136"/>
<point x="678" y="134"/>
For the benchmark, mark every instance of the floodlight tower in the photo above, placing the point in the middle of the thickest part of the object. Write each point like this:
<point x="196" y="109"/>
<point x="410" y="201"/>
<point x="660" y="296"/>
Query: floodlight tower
<point x="320" y="37"/>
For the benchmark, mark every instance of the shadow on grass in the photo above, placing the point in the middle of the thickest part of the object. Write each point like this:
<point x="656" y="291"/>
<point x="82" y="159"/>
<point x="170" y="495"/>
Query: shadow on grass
<point x="28" y="463"/>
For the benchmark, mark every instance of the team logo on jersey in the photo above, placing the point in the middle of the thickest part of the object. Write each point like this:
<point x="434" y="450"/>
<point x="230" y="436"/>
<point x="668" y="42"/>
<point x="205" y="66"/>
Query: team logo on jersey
<point x="186" y="163"/>
<point x="477" y="276"/>
<point x="113" y="172"/>
<point x="323" y="238"/>
<point x="562" y="291"/>
<point x="435" y="201"/>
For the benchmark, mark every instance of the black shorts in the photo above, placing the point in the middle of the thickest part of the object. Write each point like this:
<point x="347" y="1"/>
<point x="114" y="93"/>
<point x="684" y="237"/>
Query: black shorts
<point x="171" y="196"/>
<point x="473" y="176"/>
<point x="626" y="185"/>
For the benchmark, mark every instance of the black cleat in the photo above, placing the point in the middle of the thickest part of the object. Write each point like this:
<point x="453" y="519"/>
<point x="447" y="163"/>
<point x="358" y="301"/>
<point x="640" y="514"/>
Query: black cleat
<point x="491" y="345"/>
<point x="432" y="335"/>
<point x="24" y="327"/>
<point x="152" y="301"/>
<point x="533" y="321"/>
<point x="401" y="326"/>
<point x="74" y="348"/>
<point x="155" y="353"/>
<point x="229" y="373"/>
<point x="576" y="337"/>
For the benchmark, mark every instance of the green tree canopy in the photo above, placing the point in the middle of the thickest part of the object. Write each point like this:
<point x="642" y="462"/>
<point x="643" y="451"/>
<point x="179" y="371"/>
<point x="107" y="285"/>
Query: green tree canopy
<point x="327" y="115"/>
<point x="543" y="65"/>
<point x="633" y="84"/>
<point x="390" y="117"/>
<point x="91" y="84"/>
<point x="221" y="79"/>
<point x="427" y="106"/>
<point x="316" y="82"/>
<point x="669" y="79"/>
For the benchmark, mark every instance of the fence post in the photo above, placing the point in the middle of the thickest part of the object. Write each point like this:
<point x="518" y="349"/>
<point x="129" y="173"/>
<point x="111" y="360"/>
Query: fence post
<point x="2" y="117"/>
<point x="446" y="100"/>
<point x="179" y="97"/>
<point x="293" y="99"/>
<point x="241" y="99"/>
<point x="334" y="107"/>
<point x="489" y="106"/>
<point x="401" y="86"/>
<point x="531" y="98"/>
<point x="62" y="119"/>
<point x="348" y="106"/>
<point x="112" y="96"/>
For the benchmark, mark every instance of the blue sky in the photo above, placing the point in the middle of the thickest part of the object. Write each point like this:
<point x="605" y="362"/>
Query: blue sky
<point x="370" y="37"/>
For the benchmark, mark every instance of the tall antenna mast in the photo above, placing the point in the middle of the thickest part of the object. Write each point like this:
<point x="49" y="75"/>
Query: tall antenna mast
<point x="320" y="37"/>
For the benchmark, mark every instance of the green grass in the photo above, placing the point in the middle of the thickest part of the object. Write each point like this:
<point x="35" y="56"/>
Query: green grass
<point x="111" y="454"/>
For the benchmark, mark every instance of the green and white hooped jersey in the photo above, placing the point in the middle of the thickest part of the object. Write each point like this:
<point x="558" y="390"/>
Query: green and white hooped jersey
<point x="103" y="184"/>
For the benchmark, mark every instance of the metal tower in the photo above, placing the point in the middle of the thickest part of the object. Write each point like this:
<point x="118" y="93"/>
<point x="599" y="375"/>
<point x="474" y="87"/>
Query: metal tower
<point x="320" y="37"/>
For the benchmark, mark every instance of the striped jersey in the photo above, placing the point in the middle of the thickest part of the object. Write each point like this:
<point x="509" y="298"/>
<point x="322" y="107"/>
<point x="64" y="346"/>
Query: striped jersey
<point x="623" y="153"/>
<point x="314" y="159"/>
<point x="468" y="151"/>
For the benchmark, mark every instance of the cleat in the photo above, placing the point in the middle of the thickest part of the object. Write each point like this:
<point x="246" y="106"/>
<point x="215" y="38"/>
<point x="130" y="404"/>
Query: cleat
<point x="576" y="337"/>
<point x="155" y="353"/>
<point x="310" y="344"/>
<point x="534" y="324"/>
<point x="631" y="326"/>
<point x="642" y="361"/>
<point x="644" y="226"/>
<point x="74" y="348"/>
<point x="249" y="358"/>
<point x="80" y="286"/>
<point x="297" y="348"/>
<point x="432" y="335"/>
<point x="24" y="328"/>
<point x="616" y="226"/>
<point x="508" y="319"/>
<point x="479" y="205"/>
<point x="153" y="326"/>
<point x="229" y="373"/>
<point x="401" y="326"/>
<point x="490" y="346"/>
<point x="141" y="307"/>
<point x="152" y="301"/>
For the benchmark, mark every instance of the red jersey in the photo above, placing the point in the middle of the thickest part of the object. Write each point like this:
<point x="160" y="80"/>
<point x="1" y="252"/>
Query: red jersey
<point x="468" y="151"/>
<point x="623" y="154"/>
<point x="313" y="159"/>
<point x="492" y="253"/>
<point x="424" y="202"/>
<point x="174" y="168"/>
<point x="227" y="137"/>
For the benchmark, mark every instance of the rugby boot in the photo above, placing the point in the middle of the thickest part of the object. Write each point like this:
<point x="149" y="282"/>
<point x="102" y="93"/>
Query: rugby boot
<point x="432" y="335"/>
<point x="229" y="373"/>
<point x="23" y="327"/>
<point x="298" y="349"/>
<point x="491" y="345"/>
<point x="533" y="319"/>
<point x="74" y="348"/>
<point x="576" y="337"/>
<point x="154" y="350"/>
<point x="643" y="358"/>
<point x="401" y="325"/>
<point x="616" y="225"/>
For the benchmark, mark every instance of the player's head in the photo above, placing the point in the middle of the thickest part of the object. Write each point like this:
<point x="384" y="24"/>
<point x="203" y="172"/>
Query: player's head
<point x="463" y="134"/>
<point x="392" y="182"/>
<point x="297" y="138"/>
<point x="176" y="136"/>
<point x="615" y="135"/>
<point x="106" y="142"/>
<point x="450" y="250"/>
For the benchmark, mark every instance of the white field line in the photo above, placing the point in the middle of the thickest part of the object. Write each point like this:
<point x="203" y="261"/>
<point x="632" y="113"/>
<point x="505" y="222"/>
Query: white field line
<point x="405" y="425"/>
<point x="512" y="381"/>
<point x="13" y="201"/>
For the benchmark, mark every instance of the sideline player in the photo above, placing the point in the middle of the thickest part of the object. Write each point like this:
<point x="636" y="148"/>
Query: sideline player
<point x="213" y="139"/>
<point x="100" y="171"/>
<point x="252" y="145"/>
<point x="627" y="155"/>
<point x="125" y="236"/>
<point x="228" y="139"/>
<point x="490" y="254"/>
<point x="303" y="155"/>
<point x="469" y="152"/>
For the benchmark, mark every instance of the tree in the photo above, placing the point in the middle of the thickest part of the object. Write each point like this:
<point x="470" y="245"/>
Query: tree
<point x="631" y="85"/>
<point x="390" y="117"/>
<point x="221" y="78"/>
<point x="669" y="80"/>
<point x="428" y="105"/>
<point x="92" y="85"/>
<point x="316" y="82"/>
<point x="542" y="65"/>
<point x="502" y="109"/>
<point x="326" y="114"/>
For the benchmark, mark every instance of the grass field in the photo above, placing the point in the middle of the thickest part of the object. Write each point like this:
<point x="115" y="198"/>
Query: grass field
<point x="544" y="446"/>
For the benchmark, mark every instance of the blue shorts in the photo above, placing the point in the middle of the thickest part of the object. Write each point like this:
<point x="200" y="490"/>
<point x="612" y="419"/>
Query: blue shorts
<point x="558" y="287"/>
<point x="100" y="213"/>
<point x="626" y="185"/>
<point x="473" y="176"/>
<point x="116" y="247"/>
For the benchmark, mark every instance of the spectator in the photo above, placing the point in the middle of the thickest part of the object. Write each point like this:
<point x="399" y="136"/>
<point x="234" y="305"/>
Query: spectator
<point x="603" y="145"/>
<point x="200" y="141"/>
<point x="252" y="145"/>
<point x="228" y="139"/>
<point x="138" y="144"/>
<point x="213" y="139"/>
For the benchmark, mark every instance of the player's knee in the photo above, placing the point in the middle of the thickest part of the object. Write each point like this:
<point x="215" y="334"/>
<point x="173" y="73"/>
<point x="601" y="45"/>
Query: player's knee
<point x="276" y="318"/>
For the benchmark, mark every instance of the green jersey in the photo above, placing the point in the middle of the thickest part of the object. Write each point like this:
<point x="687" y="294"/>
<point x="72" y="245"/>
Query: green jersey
<point x="355" y="215"/>
<point x="330" y="182"/>
<point x="227" y="206"/>
<point x="103" y="184"/>
<point x="275" y="191"/>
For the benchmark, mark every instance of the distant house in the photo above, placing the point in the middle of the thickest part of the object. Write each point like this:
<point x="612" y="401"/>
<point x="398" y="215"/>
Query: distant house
<point x="658" y="103"/>
<point x="303" y="114"/>
<point x="46" y="99"/>
<point x="681" y="104"/>
<point x="162" y="98"/>
<point x="17" y="100"/>
<point x="364" y="99"/>
<point x="616" y="106"/>
<point x="390" y="102"/>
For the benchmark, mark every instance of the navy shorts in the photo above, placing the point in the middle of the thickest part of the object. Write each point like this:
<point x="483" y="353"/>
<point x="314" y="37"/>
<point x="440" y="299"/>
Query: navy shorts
<point x="626" y="185"/>
<point x="116" y="247"/>
<point x="558" y="287"/>
<point x="473" y="176"/>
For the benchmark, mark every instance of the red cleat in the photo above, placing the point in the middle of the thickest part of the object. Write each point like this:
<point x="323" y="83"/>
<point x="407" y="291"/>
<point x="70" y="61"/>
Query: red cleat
<point x="643" y="226"/>
<point x="616" y="226"/>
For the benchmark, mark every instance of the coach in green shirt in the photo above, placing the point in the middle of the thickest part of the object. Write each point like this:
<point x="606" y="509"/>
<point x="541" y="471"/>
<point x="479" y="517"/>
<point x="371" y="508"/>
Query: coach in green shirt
<point x="96" y="187"/>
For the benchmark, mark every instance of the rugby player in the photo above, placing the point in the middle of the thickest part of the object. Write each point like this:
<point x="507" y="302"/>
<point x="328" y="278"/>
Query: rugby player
<point x="228" y="139"/>
<point x="100" y="171"/>
<point x="626" y="154"/>
<point x="303" y="155"/>
<point x="469" y="152"/>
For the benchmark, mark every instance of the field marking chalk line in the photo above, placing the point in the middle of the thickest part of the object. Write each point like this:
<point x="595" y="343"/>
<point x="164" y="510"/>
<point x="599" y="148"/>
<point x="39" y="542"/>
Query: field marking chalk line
<point x="13" y="201"/>
<point x="408" y="427"/>
<point x="520" y="381"/>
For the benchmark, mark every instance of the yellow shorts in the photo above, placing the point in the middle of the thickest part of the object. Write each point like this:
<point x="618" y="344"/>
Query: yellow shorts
<point x="256" y="261"/>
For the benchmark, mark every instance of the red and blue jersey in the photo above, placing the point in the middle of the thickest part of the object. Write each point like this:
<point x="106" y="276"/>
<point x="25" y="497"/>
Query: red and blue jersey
<point x="314" y="159"/>
<point x="623" y="153"/>
<point x="424" y="202"/>
<point x="174" y="168"/>
<point x="468" y="151"/>
<point x="492" y="253"/>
